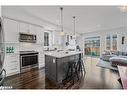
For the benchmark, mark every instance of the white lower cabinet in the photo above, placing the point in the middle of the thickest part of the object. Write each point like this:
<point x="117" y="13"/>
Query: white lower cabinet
<point x="41" y="60"/>
<point x="12" y="64"/>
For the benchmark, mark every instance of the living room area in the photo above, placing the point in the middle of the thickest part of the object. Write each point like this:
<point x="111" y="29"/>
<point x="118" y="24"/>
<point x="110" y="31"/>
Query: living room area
<point x="106" y="52"/>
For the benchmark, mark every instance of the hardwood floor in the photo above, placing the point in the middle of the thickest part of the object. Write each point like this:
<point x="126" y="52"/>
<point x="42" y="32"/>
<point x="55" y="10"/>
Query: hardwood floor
<point x="95" y="78"/>
<point x="99" y="78"/>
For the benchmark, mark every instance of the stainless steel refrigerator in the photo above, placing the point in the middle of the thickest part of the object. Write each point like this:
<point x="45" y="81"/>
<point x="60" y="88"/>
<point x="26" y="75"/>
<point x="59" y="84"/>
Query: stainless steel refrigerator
<point x="2" y="70"/>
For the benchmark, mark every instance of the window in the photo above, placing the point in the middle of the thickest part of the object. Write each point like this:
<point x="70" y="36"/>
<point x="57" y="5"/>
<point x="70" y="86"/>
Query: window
<point x="114" y="42"/>
<point x="111" y="42"/>
<point x="46" y="39"/>
<point x="108" y="42"/>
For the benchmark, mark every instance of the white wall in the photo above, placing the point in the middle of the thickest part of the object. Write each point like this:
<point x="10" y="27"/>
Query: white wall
<point x="102" y="33"/>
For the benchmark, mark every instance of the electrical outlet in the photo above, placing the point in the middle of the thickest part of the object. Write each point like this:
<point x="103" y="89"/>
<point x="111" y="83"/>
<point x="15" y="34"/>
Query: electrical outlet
<point x="54" y="60"/>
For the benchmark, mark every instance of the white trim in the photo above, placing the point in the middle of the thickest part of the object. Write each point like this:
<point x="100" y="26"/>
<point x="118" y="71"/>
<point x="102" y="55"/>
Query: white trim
<point x="4" y="17"/>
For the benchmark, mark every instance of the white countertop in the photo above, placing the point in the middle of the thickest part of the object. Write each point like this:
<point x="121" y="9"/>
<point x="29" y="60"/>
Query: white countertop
<point x="61" y="54"/>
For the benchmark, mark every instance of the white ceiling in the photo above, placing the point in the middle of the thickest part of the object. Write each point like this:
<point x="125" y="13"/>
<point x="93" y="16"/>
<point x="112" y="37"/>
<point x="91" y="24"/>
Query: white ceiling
<point x="88" y="18"/>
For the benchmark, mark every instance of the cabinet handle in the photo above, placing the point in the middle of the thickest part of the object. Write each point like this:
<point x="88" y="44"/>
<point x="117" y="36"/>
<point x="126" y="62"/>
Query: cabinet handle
<point x="13" y="61"/>
<point x="13" y="68"/>
<point x="13" y="55"/>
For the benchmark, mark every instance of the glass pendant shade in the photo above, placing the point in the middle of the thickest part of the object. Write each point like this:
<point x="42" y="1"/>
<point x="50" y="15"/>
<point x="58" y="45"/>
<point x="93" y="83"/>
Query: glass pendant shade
<point x="62" y="33"/>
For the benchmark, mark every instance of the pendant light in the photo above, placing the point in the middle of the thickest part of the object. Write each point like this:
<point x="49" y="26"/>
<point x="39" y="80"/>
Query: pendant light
<point x="74" y="27"/>
<point x="61" y="33"/>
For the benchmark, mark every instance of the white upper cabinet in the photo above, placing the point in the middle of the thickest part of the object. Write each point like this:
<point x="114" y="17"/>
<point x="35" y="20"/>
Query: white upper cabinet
<point x="32" y="29"/>
<point x="40" y="35"/>
<point x="11" y="31"/>
<point x="23" y="27"/>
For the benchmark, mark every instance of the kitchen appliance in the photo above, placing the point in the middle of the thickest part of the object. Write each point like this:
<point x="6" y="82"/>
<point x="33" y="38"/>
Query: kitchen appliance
<point x="2" y="76"/>
<point x="31" y="38"/>
<point x="2" y="71"/>
<point x="28" y="60"/>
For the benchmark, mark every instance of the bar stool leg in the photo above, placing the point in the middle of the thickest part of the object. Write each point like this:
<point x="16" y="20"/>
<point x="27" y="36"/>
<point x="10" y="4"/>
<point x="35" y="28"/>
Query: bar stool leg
<point x="72" y="71"/>
<point x="83" y="67"/>
<point x="76" y="68"/>
<point x="68" y="71"/>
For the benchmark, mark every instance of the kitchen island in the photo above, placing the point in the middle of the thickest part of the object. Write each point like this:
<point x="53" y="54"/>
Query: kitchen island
<point x="56" y="64"/>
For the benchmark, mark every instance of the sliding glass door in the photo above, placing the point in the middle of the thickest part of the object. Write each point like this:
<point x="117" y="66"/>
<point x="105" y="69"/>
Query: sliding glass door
<point x="92" y="46"/>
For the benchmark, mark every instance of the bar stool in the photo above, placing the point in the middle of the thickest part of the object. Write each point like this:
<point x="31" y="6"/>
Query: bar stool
<point x="81" y="67"/>
<point x="72" y="71"/>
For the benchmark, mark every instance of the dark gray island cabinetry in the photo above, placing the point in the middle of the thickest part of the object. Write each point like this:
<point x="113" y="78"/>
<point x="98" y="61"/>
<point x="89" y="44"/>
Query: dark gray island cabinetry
<point x="56" y="64"/>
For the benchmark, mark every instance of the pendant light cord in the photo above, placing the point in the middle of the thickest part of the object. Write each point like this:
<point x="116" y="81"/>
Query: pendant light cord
<point x="74" y="25"/>
<point x="61" y="19"/>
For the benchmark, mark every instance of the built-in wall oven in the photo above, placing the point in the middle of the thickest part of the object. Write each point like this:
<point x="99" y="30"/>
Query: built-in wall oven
<point x="28" y="60"/>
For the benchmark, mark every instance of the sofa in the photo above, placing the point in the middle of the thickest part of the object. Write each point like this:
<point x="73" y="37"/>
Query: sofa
<point x="106" y="55"/>
<point x="115" y="57"/>
<point x="119" y="60"/>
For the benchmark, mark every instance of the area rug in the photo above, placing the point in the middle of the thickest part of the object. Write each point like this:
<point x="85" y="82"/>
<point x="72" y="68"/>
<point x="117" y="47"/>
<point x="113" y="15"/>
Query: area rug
<point x="105" y="64"/>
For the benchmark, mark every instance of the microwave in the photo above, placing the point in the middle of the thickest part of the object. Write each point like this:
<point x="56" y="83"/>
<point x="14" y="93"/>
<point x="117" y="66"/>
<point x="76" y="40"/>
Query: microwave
<point x="31" y="38"/>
